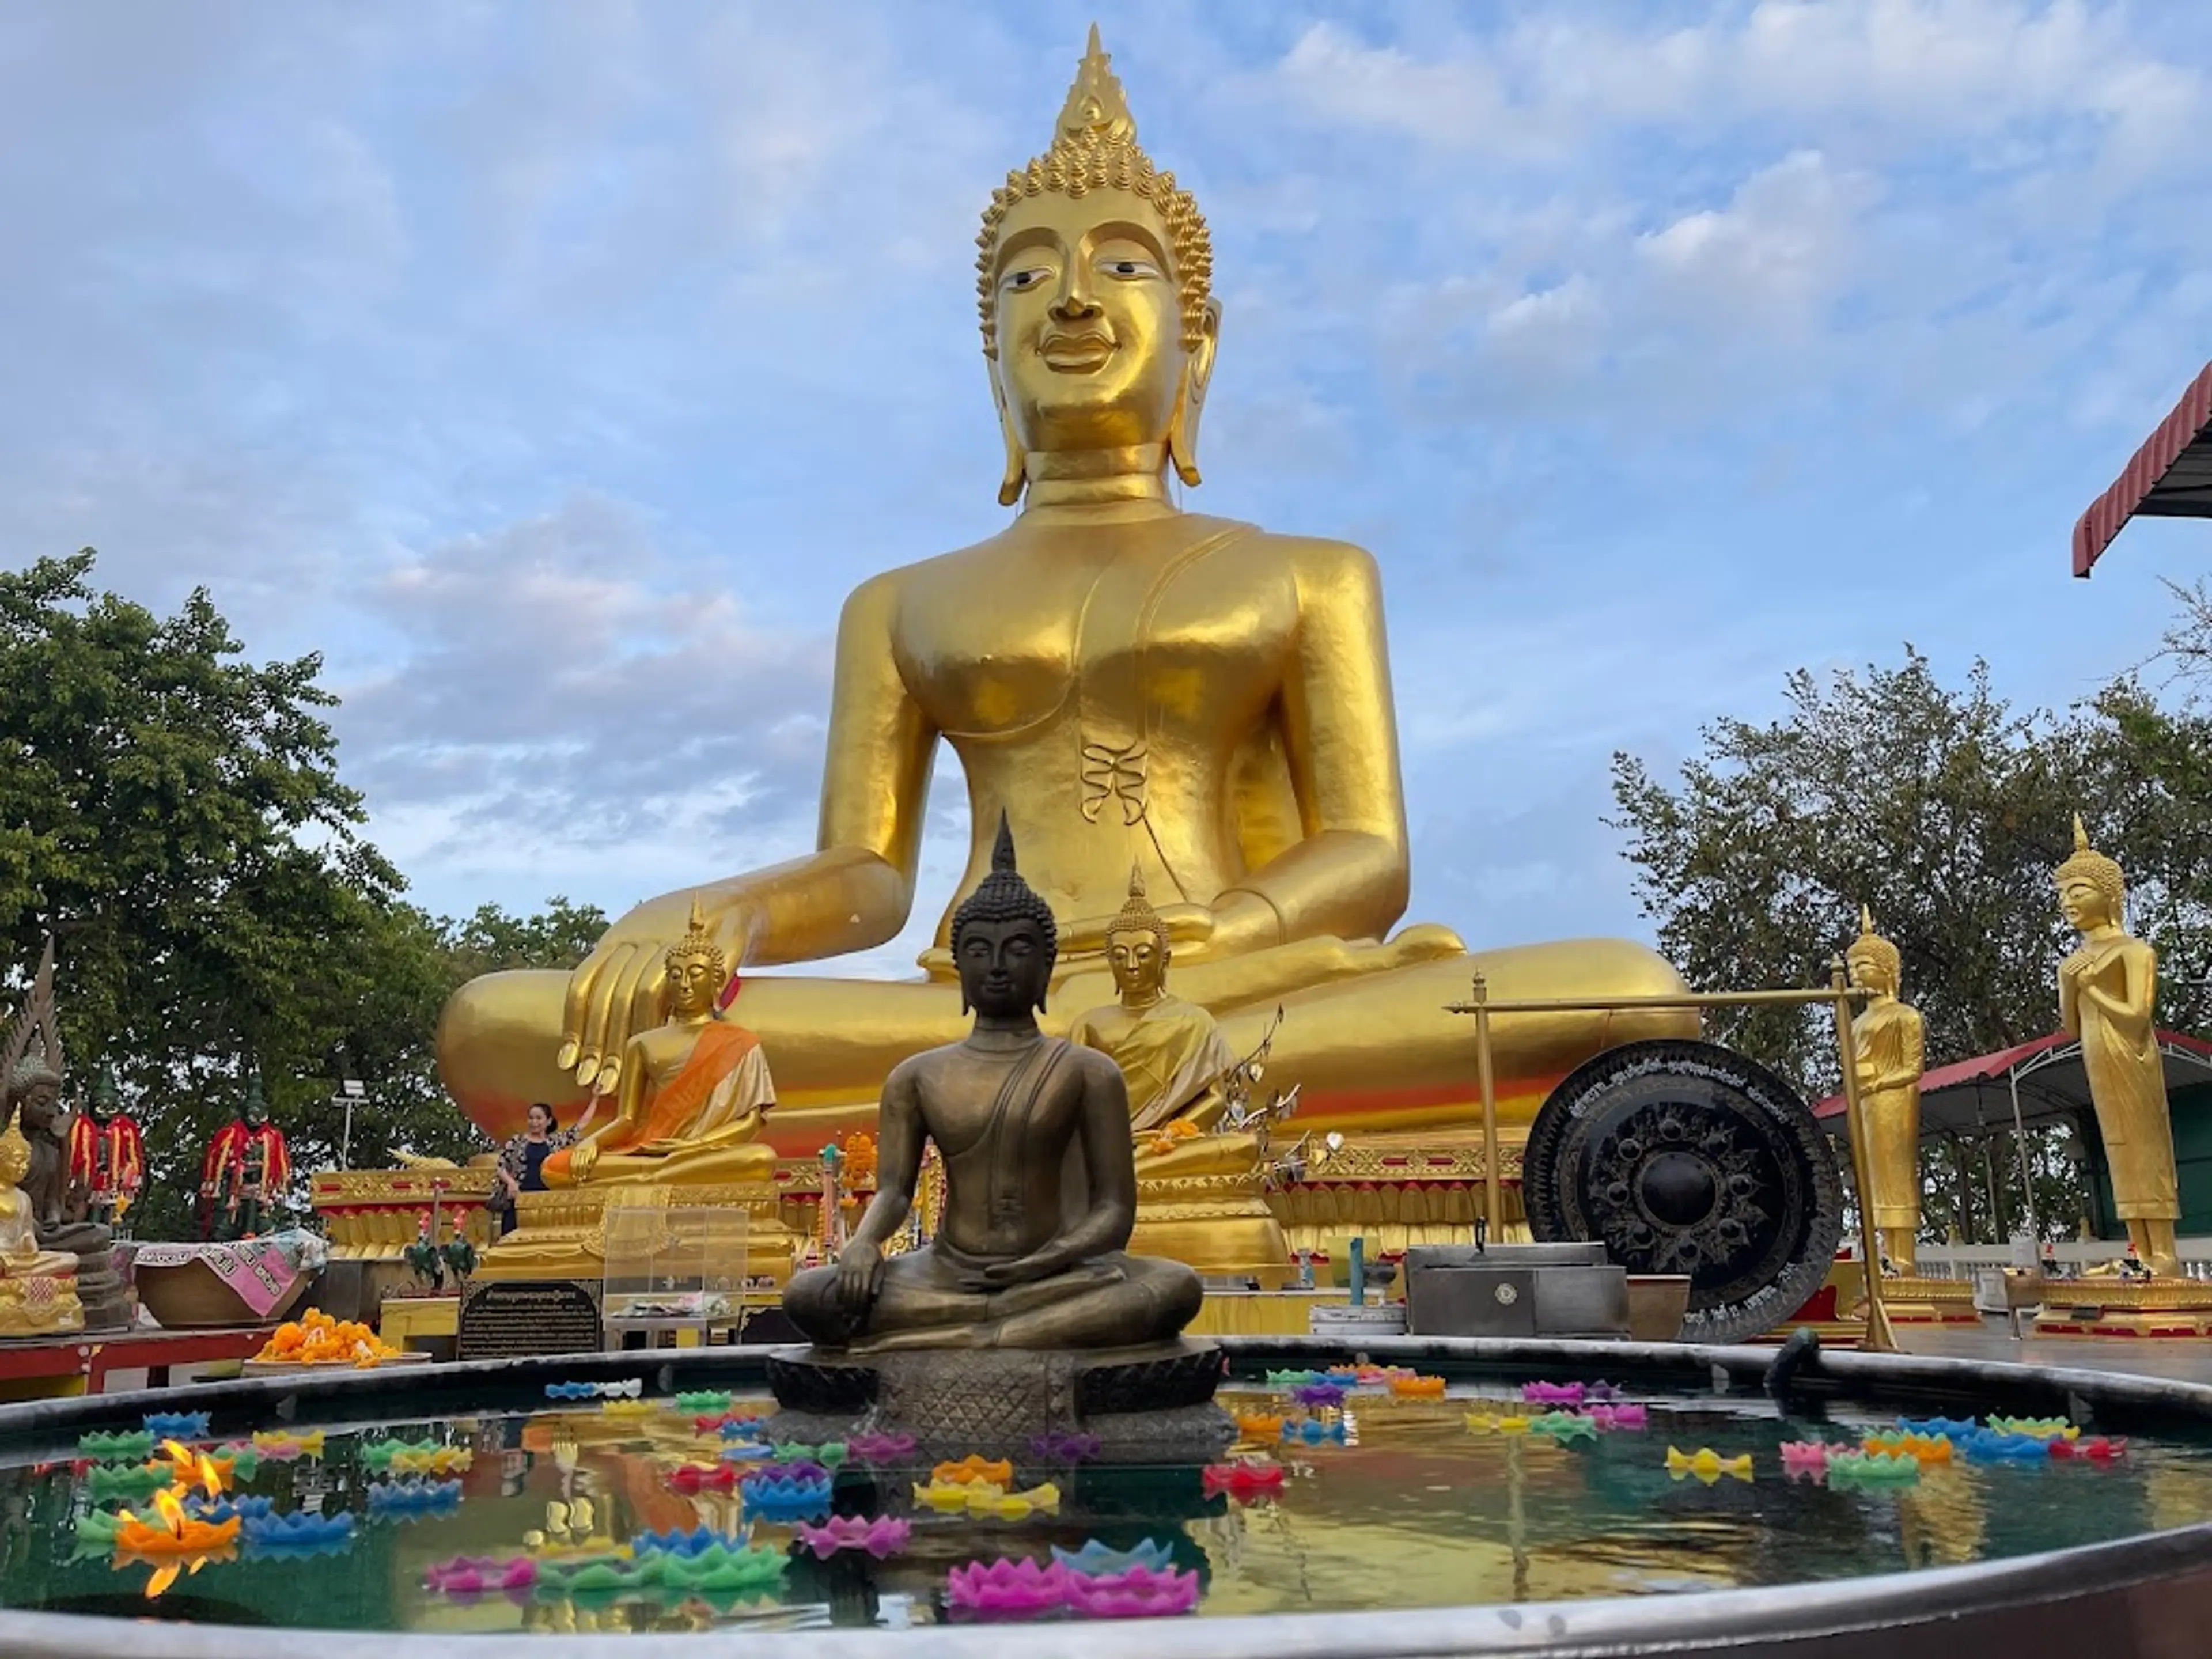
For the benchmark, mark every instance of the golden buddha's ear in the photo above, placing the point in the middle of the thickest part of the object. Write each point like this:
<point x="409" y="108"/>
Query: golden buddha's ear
<point x="1190" y="402"/>
<point x="1015" y="480"/>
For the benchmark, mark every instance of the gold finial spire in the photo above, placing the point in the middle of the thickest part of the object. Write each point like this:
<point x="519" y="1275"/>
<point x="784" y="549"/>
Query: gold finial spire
<point x="1872" y="946"/>
<point x="2088" y="865"/>
<point x="1137" y="915"/>
<point x="1097" y="106"/>
<point x="1866" y="922"/>
<point x="698" y="940"/>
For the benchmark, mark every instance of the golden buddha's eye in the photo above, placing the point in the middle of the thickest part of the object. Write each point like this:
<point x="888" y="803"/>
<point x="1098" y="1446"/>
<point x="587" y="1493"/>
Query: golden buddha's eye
<point x="1022" y="281"/>
<point x="1129" y="269"/>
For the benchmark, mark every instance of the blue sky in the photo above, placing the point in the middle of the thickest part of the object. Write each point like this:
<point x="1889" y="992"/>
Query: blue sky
<point x="556" y="368"/>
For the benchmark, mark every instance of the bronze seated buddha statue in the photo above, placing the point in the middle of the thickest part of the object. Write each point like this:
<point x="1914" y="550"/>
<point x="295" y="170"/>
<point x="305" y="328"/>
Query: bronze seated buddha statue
<point x="1040" y="1175"/>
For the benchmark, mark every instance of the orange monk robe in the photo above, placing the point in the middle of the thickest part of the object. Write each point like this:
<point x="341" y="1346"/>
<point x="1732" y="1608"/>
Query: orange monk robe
<point x="715" y="1100"/>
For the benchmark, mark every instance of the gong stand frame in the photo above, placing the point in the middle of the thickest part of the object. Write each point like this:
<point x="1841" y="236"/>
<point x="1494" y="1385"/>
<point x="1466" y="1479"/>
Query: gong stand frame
<point x="1839" y="994"/>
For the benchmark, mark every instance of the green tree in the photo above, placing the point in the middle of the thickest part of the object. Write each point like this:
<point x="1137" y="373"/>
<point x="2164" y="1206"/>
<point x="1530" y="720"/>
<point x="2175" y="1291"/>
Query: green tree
<point x="173" y="815"/>
<point x="1944" y="810"/>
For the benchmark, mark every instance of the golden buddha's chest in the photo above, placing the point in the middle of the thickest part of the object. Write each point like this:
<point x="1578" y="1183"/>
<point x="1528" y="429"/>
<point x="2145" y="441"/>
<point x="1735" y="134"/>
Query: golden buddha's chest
<point x="1147" y="636"/>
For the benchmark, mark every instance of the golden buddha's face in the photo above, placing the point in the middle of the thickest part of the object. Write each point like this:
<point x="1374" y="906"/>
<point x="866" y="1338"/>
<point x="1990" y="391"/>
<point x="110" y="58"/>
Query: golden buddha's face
<point x="15" y="1161"/>
<point x="1139" y="962"/>
<point x="694" y="982"/>
<point x="1090" y="323"/>
<point x="1869" y="970"/>
<point x="2083" y="904"/>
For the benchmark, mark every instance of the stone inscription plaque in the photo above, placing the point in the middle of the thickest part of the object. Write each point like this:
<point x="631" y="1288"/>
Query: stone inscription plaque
<point x="516" y="1318"/>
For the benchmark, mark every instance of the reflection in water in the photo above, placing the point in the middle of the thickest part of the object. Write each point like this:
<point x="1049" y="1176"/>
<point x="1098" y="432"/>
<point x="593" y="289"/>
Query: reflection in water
<point x="1410" y="1511"/>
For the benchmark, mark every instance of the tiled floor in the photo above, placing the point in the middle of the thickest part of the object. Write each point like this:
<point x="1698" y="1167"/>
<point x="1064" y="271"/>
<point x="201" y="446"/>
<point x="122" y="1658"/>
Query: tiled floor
<point x="2177" y="1359"/>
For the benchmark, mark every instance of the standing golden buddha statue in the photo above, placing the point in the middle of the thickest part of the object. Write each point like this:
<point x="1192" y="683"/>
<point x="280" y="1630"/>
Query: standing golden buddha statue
<point x="2108" y="997"/>
<point x="1201" y="1188"/>
<point x="1123" y="681"/>
<point x="1889" y="1047"/>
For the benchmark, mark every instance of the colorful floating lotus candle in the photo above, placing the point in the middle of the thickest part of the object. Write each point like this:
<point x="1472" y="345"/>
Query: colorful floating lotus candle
<point x="948" y="1496"/>
<point x="173" y="1532"/>
<point x="2089" y="1448"/>
<point x="127" y="1446"/>
<point x="409" y="1498"/>
<point x="1244" y="1476"/>
<point x="748" y="1451"/>
<point x="830" y="1455"/>
<point x="1620" y="1417"/>
<point x="1710" y="1465"/>
<point x="1850" y="1468"/>
<point x="742" y="1428"/>
<point x="690" y="1480"/>
<point x="126" y="1480"/>
<point x="1314" y="1433"/>
<point x="973" y="1468"/>
<point x="1488" y="1422"/>
<point x="881" y="1447"/>
<point x="1096" y="1559"/>
<point x="1418" y="1387"/>
<point x="1602" y="1389"/>
<point x="628" y="1389"/>
<point x="1139" y="1593"/>
<point x="282" y="1446"/>
<point x="437" y="1460"/>
<point x="1261" y="1425"/>
<point x="378" y="1456"/>
<point x="1056" y="1446"/>
<point x="1553" y="1394"/>
<point x="1988" y="1446"/>
<point x="989" y="1502"/>
<point x="878" y="1536"/>
<point x="1006" y="1589"/>
<point x="697" y="1541"/>
<point x="1806" y="1457"/>
<point x="250" y="1506"/>
<point x="474" y="1575"/>
<point x="724" y="1572"/>
<point x="785" y="1496"/>
<point x="298" y="1529"/>
<point x="1924" y="1449"/>
<point x="1312" y="1394"/>
<point x="1295" y="1379"/>
<point x="1950" y="1428"/>
<point x="99" y="1526"/>
<point x="1565" y="1427"/>
<point x="2038" y="1428"/>
<point x="716" y="1401"/>
<point x="630" y="1409"/>
<point x="177" y="1425"/>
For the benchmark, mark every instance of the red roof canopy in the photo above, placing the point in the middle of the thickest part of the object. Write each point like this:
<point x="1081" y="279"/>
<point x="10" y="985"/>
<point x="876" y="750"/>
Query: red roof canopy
<point x="1972" y="1094"/>
<point x="2170" y="477"/>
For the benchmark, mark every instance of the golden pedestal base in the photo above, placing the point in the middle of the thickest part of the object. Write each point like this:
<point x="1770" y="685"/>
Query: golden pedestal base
<point x="45" y="1305"/>
<point x="2120" y="1307"/>
<point x="562" y="1234"/>
<point x="1911" y="1300"/>
<point x="1219" y="1224"/>
<point x="374" y="1215"/>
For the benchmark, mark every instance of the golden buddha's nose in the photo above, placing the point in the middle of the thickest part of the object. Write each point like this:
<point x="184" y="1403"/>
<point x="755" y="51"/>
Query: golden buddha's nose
<point x="1073" y="301"/>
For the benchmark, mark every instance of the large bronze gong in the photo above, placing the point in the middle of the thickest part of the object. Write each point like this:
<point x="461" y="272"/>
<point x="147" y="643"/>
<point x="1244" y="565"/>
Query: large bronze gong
<point x="1684" y="1158"/>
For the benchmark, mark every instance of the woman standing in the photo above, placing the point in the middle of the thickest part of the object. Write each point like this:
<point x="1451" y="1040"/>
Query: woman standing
<point x="522" y="1160"/>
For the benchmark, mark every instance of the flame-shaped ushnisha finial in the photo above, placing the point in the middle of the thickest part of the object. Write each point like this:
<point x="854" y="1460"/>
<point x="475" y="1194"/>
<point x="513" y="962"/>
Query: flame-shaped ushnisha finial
<point x="1002" y="849"/>
<point x="1004" y="896"/>
<point x="1097" y="106"/>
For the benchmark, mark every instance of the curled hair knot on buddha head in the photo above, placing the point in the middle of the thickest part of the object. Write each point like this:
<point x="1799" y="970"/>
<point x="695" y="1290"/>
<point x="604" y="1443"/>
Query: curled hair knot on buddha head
<point x="1003" y="897"/>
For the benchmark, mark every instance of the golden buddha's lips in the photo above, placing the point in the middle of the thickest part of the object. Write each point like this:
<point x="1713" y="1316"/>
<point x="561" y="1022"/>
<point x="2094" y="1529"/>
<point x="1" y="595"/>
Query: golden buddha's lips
<point x="1076" y="353"/>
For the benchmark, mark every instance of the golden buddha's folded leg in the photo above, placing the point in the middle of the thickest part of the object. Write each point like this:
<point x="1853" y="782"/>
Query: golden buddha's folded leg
<point x="1380" y="1052"/>
<point x="829" y="1042"/>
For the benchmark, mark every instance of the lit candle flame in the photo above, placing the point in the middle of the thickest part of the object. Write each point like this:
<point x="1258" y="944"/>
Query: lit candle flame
<point x="172" y="1510"/>
<point x="161" y="1580"/>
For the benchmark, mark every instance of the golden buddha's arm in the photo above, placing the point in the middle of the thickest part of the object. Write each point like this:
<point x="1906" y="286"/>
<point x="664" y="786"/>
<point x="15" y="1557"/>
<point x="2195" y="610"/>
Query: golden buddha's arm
<point x="1349" y="876"/>
<point x="2130" y="1012"/>
<point x="1912" y="1057"/>
<point x="2070" y="1003"/>
<point x="853" y="892"/>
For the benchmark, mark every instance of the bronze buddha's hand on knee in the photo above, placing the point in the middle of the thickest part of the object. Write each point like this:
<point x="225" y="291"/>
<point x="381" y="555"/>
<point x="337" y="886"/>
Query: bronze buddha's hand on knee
<point x="621" y="988"/>
<point x="859" y="1276"/>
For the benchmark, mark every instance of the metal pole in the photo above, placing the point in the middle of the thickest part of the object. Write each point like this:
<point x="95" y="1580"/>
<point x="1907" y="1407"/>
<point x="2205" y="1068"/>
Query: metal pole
<point x="1675" y="999"/>
<point x="345" y="1139"/>
<point x="2020" y="1143"/>
<point x="1494" y="1215"/>
<point x="1879" y="1337"/>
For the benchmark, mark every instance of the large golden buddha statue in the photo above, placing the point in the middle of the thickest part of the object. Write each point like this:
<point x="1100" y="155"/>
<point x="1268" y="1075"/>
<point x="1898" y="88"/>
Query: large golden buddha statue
<point x="2108" y="997"/>
<point x="1124" y="681"/>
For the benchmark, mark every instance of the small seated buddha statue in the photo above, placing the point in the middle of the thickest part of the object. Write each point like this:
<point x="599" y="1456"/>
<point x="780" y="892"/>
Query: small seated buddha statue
<point x="1039" y="1180"/>
<point x="37" y="1287"/>
<point x="1121" y="678"/>
<point x="694" y="1090"/>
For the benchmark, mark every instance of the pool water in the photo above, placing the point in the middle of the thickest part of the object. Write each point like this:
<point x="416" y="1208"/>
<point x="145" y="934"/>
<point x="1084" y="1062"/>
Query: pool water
<point x="1414" y="1509"/>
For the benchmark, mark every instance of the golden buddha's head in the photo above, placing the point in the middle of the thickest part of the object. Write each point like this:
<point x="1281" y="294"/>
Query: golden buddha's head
<point x="1094" y="282"/>
<point x="1873" y="961"/>
<point x="14" y="1153"/>
<point x="1005" y="940"/>
<point x="1137" y="947"/>
<point x="2091" y="892"/>
<point x="697" y="968"/>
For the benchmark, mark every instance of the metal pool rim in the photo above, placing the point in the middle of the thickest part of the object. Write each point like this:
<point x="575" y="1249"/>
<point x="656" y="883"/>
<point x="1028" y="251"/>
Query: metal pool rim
<point x="2147" y="1597"/>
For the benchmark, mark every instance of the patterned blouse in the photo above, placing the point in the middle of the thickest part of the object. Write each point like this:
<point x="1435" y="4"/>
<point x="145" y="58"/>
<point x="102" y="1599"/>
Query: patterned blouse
<point x="514" y="1159"/>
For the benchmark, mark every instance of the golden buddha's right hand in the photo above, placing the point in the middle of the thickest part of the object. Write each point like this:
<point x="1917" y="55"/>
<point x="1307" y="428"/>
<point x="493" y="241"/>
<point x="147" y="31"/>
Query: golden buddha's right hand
<point x="859" y="1276"/>
<point x="621" y="988"/>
